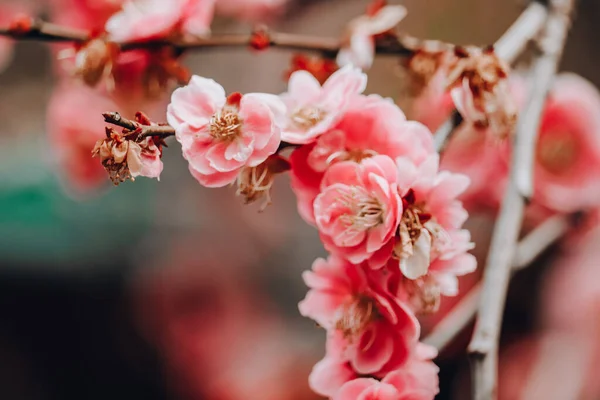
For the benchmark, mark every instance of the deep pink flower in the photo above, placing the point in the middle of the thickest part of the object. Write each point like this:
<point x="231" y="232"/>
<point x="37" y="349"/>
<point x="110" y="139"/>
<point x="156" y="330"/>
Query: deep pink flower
<point x="220" y="135"/>
<point x="568" y="153"/>
<point x="358" y="210"/>
<point x="251" y="10"/>
<point x="84" y="14"/>
<point x="151" y="19"/>
<point x="416" y="380"/>
<point x="367" y="326"/>
<point x="371" y="125"/>
<point x="312" y="109"/>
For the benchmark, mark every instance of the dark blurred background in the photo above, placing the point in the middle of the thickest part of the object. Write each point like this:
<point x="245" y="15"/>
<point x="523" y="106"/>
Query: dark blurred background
<point x="166" y="290"/>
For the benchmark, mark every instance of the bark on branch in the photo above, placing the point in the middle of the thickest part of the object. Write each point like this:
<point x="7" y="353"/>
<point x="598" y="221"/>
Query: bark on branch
<point x="483" y="348"/>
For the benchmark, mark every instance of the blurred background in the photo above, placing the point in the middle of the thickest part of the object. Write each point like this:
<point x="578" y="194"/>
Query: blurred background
<point x="166" y="290"/>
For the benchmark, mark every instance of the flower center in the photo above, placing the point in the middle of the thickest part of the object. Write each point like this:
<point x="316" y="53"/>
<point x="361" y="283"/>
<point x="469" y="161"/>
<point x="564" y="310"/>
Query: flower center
<point x="364" y="211"/>
<point x="225" y="125"/>
<point x="356" y="155"/>
<point x="308" y="117"/>
<point x="356" y="315"/>
<point x="557" y="154"/>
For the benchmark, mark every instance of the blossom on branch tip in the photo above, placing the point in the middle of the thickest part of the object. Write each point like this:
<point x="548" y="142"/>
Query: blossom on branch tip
<point x="125" y="158"/>
<point x="141" y="20"/>
<point x="359" y="41"/>
<point x="221" y="135"/>
<point x="312" y="109"/>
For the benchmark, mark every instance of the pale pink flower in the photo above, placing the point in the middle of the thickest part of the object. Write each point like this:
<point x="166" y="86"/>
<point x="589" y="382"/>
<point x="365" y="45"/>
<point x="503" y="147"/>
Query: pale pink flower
<point x="312" y="109"/>
<point x="370" y="126"/>
<point x="429" y="232"/>
<point x="359" y="48"/>
<point x="220" y="135"/>
<point x="151" y="19"/>
<point x="417" y="380"/>
<point x="376" y="332"/>
<point x="251" y="10"/>
<point x="358" y="211"/>
<point x="567" y="170"/>
<point x="434" y="105"/>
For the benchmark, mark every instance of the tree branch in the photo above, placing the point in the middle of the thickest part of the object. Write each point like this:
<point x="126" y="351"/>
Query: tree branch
<point x="483" y="348"/>
<point x="143" y="131"/>
<point x="512" y="43"/>
<point x="529" y="248"/>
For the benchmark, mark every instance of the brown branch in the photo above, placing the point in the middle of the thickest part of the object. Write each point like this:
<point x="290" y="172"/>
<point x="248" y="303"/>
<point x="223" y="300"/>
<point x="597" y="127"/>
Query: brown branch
<point x="529" y="249"/>
<point x="142" y="131"/>
<point x="512" y="43"/>
<point x="483" y="348"/>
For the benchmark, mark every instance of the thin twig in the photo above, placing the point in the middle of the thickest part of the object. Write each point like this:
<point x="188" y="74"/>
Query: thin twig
<point x="528" y="250"/>
<point x="512" y="43"/>
<point x="483" y="349"/>
<point x="143" y="131"/>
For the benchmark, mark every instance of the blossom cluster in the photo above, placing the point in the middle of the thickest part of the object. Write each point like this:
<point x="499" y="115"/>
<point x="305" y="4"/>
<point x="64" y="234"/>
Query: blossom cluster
<point x="368" y="179"/>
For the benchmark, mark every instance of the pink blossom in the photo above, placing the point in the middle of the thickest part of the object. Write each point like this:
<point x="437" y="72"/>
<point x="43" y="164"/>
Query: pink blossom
<point x="431" y="250"/>
<point x="371" y="125"/>
<point x="568" y="153"/>
<point x="220" y="135"/>
<point x="250" y="10"/>
<point x="417" y="380"/>
<point x="358" y="210"/>
<point x="359" y="49"/>
<point x="151" y="19"/>
<point x="312" y="109"/>
<point x="434" y="104"/>
<point x="367" y="326"/>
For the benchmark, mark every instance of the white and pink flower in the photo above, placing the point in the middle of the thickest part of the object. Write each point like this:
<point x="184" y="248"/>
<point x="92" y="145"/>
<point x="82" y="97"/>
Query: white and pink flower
<point x="154" y="19"/>
<point x="312" y="109"/>
<point x="220" y="135"/>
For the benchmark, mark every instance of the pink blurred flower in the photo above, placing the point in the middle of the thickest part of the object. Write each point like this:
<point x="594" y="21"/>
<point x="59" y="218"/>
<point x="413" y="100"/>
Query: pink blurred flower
<point x="151" y="19"/>
<point x="359" y="49"/>
<point x="434" y="104"/>
<point x="568" y="153"/>
<point x="84" y="14"/>
<point x="367" y="326"/>
<point x="73" y="131"/>
<point x="371" y="125"/>
<point x="417" y="380"/>
<point x="220" y="135"/>
<point x="358" y="211"/>
<point x="312" y="109"/>
<point x="484" y="161"/>
<point x="250" y="10"/>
